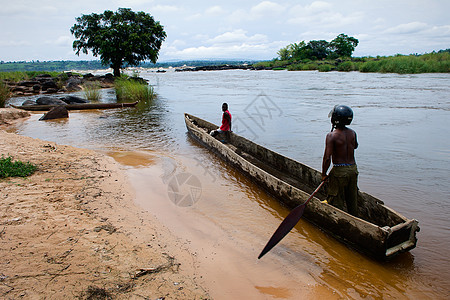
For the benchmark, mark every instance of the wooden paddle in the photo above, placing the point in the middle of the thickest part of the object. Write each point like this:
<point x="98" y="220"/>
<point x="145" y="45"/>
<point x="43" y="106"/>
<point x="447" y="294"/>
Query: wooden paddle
<point x="288" y="223"/>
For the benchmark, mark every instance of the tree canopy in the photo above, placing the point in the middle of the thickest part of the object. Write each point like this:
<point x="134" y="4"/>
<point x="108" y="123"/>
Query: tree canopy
<point x="122" y="37"/>
<point x="341" y="46"/>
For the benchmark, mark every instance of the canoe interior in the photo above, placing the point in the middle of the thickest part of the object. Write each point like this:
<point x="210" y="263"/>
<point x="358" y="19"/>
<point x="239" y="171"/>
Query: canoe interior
<point x="382" y="230"/>
<point x="302" y="176"/>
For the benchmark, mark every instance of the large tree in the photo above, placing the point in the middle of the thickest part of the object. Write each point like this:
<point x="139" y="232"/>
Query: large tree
<point x="344" y="45"/>
<point x="318" y="49"/>
<point x="122" y="37"/>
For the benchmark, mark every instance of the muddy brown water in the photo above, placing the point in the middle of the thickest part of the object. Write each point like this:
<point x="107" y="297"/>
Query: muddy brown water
<point x="225" y="219"/>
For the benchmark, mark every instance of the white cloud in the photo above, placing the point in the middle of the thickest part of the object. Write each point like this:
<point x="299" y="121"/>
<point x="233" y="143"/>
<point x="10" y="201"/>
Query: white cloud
<point x="232" y="44"/>
<point x="22" y="9"/>
<point x="215" y="10"/>
<point x="178" y="43"/>
<point x="164" y="9"/>
<point x="238" y="15"/>
<point x="130" y="3"/>
<point x="193" y="17"/>
<point x="14" y="43"/>
<point x="234" y="51"/>
<point x="266" y="8"/>
<point x="324" y="15"/>
<point x="63" y="41"/>
<point x="409" y="28"/>
<point x="236" y="37"/>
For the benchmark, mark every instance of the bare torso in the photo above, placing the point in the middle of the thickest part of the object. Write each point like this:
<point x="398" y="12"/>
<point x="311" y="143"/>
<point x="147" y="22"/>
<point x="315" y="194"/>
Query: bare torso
<point x="340" y="148"/>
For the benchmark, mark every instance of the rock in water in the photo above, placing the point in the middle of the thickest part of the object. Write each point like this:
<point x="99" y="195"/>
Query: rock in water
<point x="57" y="112"/>
<point x="49" y="101"/>
<point x="73" y="100"/>
<point x="28" y="103"/>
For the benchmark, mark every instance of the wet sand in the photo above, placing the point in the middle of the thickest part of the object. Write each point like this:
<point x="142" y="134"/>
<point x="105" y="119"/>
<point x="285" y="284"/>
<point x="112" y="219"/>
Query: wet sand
<point x="72" y="230"/>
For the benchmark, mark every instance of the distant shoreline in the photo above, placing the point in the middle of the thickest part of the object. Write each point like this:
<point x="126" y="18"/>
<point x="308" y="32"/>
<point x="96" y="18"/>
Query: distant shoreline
<point x="437" y="62"/>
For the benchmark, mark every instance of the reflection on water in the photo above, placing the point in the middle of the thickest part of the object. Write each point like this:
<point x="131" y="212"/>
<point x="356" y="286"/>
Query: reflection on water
<point x="403" y="158"/>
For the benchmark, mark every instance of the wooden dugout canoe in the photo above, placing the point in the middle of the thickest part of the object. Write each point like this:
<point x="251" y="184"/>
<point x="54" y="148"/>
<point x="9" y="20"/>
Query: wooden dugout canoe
<point x="379" y="232"/>
<point x="77" y="106"/>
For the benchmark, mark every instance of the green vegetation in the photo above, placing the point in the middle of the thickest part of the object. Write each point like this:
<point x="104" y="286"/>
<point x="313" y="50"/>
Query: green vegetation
<point x="402" y="64"/>
<point x="91" y="91"/>
<point x="10" y="168"/>
<point x="50" y="66"/>
<point x="411" y="64"/>
<point x="17" y="76"/>
<point x="336" y="56"/>
<point x="119" y="37"/>
<point x="342" y="46"/>
<point x="5" y="94"/>
<point x="133" y="89"/>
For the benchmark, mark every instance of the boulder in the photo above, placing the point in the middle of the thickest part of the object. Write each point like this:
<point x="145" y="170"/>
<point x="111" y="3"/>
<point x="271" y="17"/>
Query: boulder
<point x="88" y="75"/>
<point x="28" y="103"/>
<point x="73" y="99"/>
<point x="73" y="84"/>
<point x="51" y="91"/>
<point x="57" y="112"/>
<point x="28" y="83"/>
<point x="43" y="76"/>
<point x="49" y="101"/>
<point x="48" y="84"/>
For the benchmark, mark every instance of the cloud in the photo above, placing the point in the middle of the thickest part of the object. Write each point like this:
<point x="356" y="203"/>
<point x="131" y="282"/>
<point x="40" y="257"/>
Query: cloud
<point x="14" y="43"/>
<point x="129" y="3"/>
<point x="215" y="10"/>
<point x="323" y="14"/>
<point x="178" y="43"/>
<point x="63" y="41"/>
<point x="409" y="28"/>
<point x="238" y="37"/>
<point x="165" y="9"/>
<point x="210" y="52"/>
<point x="231" y="44"/>
<point x="266" y="8"/>
<point x="21" y="9"/>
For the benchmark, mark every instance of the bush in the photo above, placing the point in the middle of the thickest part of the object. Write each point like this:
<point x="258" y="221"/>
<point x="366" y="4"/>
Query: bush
<point x="325" y="68"/>
<point x="411" y="64"/>
<point x="132" y="90"/>
<point x="5" y="93"/>
<point x="346" y="66"/>
<point x="309" y="67"/>
<point x="8" y="168"/>
<point x="370" y="66"/>
<point x="91" y="91"/>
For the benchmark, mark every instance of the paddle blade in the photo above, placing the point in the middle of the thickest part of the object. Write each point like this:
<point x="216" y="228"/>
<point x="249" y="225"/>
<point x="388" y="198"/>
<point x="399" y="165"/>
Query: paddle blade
<point x="288" y="223"/>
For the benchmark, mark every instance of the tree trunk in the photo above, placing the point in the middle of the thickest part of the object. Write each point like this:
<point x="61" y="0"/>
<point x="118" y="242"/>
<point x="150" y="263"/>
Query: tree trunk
<point x="116" y="71"/>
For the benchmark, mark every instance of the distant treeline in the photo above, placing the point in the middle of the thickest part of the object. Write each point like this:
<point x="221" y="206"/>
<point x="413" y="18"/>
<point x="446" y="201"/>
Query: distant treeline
<point x="435" y="62"/>
<point x="60" y="66"/>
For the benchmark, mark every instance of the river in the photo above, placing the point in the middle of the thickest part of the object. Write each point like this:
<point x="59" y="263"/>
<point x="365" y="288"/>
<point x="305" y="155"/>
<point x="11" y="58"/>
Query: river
<point x="403" y="159"/>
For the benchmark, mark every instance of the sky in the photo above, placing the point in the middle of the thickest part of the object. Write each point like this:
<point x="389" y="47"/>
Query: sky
<point x="243" y="30"/>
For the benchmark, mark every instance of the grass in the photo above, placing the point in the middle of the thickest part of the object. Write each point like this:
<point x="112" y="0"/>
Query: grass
<point x="17" y="76"/>
<point x="130" y="89"/>
<point x="5" y="93"/>
<point x="410" y="64"/>
<point x="91" y="91"/>
<point x="401" y="64"/>
<point x="10" y="168"/>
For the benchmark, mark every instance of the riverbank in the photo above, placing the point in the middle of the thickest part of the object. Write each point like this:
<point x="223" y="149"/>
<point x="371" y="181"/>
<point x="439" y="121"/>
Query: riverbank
<point x="73" y="230"/>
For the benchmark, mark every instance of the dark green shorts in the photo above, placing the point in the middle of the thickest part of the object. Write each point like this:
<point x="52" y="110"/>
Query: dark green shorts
<point x="343" y="188"/>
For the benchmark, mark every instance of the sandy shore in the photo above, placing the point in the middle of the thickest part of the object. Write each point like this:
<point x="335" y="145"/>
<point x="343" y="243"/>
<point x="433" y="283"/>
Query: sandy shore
<point x="72" y="230"/>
